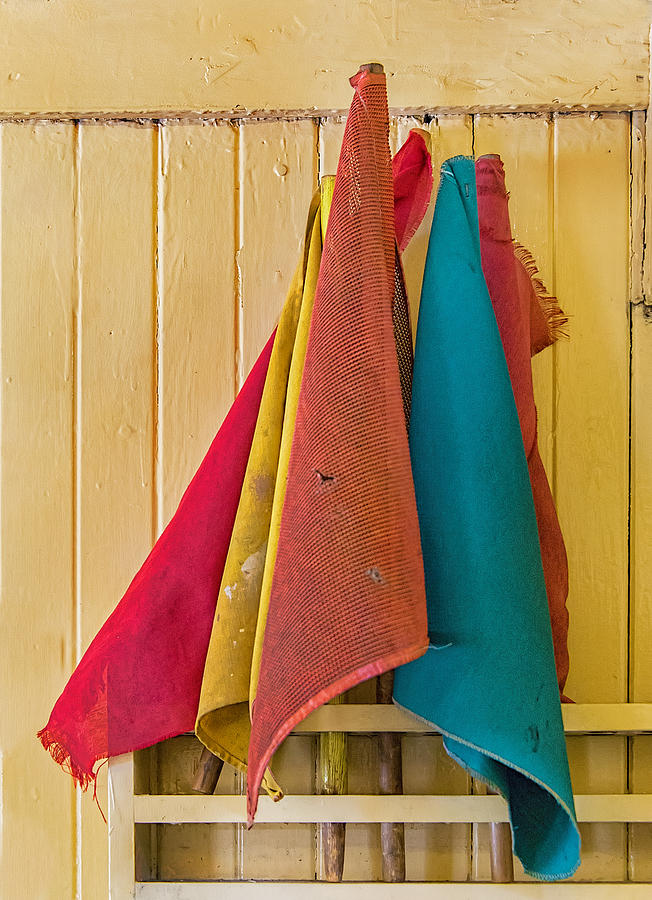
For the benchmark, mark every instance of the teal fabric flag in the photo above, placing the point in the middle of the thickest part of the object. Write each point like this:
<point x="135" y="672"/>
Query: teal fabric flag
<point x="488" y="679"/>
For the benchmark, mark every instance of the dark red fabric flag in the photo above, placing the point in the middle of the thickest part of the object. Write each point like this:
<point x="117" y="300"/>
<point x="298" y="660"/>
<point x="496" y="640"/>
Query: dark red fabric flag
<point x="528" y="319"/>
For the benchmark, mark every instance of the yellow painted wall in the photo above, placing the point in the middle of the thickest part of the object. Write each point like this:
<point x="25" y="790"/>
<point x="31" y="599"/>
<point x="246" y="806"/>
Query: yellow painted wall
<point x="142" y="268"/>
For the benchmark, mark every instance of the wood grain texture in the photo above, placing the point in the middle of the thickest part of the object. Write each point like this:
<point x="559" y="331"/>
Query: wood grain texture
<point x="198" y="850"/>
<point x="82" y="56"/>
<point x="115" y="397"/>
<point x="37" y="613"/>
<point x="592" y="446"/>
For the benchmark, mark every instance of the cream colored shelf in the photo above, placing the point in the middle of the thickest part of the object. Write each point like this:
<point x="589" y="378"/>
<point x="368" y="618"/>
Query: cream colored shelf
<point x="127" y="809"/>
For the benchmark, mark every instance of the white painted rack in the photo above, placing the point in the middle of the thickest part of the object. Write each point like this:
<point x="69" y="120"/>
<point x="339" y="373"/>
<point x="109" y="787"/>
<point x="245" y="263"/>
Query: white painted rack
<point x="127" y="809"/>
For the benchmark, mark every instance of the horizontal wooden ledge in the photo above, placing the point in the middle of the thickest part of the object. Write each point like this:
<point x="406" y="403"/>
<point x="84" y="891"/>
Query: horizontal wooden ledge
<point x="235" y="116"/>
<point x="579" y="718"/>
<point x="435" y="808"/>
<point x="296" y="890"/>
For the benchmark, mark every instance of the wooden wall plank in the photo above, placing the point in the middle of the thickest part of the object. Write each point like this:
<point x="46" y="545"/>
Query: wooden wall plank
<point x="331" y="134"/>
<point x="37" y="265"/>
<point x="278" y="175"/>
<point x="197" y="384"/>
<point x="116" y="396"/>
<point x="592" y="446"/>
<point x="197" y="276"/>
<point x="641" y="576"/>
<point x="450" y="136"/>
<point x="81" y="56"/>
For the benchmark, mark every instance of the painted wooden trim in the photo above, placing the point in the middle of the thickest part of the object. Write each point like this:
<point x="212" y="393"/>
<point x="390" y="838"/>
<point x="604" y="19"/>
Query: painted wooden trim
<point x="121" y="827"/>
<point x="293" y="890"/>
<point x="89" y="58"/>
<point x="171" y="809"/>
<point x="579" y="718"/>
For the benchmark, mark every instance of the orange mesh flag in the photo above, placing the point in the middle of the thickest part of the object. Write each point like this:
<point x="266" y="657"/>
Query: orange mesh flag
<point x="347" y="597"/>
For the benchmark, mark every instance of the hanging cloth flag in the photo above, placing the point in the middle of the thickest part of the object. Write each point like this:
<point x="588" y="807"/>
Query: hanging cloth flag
<point x="223" y="722"/>
<point x="488" y="679"/>
<point x="138" y="683"/>
<point x="529" y="319"/>
<point x="346" y="597"/>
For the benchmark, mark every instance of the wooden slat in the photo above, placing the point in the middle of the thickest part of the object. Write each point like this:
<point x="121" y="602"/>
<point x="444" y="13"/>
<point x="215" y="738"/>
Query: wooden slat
<point x="121" y="828"/>
<point x="38" y="291"/>
<point x="435" y="851"/>
<point x="637" y="254"/>
<point x="641" y="576"/>
<point x="197" y="218"/>
<point x="375" y="808"/>
<point x="591" y="451"/>
<point x="450" y="136"/>
<point x="197" y="316"/>
<point x="297" y="890"/>
<point x="277" y="177"/>
<point x="80" y="57"/>
<point x="116" y="396"/>
<point x="331" y="133"/>
<point x="579" y="718"/>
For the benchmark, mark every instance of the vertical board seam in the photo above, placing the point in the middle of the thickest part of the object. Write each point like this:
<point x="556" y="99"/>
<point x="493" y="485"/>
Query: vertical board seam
<point x="77" y="462"/>
<point x="158" y="287"/>
<point x="238" y="187"/>
<point x="628" y="619"/>
<point x="552" y="216"/>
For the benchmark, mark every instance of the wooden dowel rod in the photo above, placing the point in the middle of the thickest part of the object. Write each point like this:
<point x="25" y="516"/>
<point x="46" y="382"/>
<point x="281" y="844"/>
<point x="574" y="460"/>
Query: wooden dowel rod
<point x="392" y="834"/>
<point x="332" y="778"/>
<point x="208" y="772"/>
<point x="500" y="851"/>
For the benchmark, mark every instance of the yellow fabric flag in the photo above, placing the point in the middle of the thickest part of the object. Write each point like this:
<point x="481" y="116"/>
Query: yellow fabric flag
<point x="291" y="403"/>
<point x="223" y="723"/>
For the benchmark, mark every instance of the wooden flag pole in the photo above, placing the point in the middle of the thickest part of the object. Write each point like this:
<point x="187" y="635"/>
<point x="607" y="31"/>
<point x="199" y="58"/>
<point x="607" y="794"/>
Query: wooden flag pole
<point x="332" y="778"/>
<point x="392" y="834"/>
<point x="208" y="772"/>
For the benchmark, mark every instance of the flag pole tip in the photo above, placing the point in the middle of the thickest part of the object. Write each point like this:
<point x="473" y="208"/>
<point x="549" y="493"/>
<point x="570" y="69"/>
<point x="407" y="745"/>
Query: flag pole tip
<point x="375" y="68"/>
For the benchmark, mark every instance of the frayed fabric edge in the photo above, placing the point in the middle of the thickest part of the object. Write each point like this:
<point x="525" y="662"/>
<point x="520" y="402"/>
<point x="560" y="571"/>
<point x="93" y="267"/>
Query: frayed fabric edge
<point x="82" y="777"/>
<point x="62" y="757"/>
<point x="556" y="319"/>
